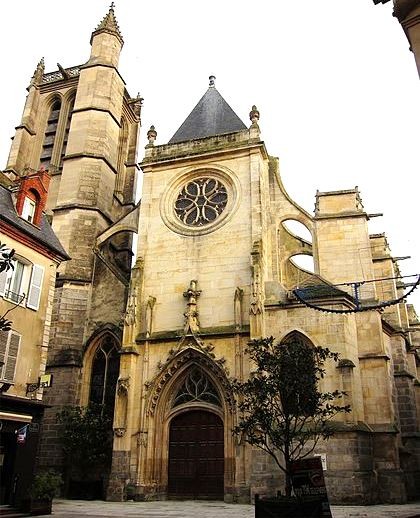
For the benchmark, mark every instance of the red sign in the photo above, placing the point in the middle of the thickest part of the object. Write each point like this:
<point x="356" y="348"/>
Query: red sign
<point x="21" y="434"/>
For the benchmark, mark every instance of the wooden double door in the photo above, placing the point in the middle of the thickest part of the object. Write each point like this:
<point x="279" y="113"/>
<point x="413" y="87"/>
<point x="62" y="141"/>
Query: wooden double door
<point x="196" y="456"/>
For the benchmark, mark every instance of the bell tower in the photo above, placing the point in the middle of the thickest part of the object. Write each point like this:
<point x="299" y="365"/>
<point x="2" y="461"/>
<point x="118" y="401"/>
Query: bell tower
<point x="81" y="125"/>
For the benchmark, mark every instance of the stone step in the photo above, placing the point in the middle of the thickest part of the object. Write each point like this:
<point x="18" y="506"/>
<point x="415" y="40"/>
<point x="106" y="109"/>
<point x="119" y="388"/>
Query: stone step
<point x="6" y="511"/>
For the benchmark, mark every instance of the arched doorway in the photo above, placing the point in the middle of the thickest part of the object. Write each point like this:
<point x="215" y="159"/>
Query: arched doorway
<point x="196" y="456"/>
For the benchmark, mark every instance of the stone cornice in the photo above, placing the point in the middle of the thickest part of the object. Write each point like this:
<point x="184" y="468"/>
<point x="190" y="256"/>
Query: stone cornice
<point x="374" y="356"/>
<point x="96" y="109"/>
<point x="91" y="155"/>
<point x="205" y="333"/>
<point x="402" y="8"/>
<point x="218" y="144"/>
<point x="71" y="206"/>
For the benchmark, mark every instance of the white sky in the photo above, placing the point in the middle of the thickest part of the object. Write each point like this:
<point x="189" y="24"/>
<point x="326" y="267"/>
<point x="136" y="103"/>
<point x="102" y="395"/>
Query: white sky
<point x="335" y="83"/>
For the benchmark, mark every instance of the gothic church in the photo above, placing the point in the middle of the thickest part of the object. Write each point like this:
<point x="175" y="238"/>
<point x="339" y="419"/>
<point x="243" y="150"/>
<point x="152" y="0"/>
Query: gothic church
<point x="215" y="267"/>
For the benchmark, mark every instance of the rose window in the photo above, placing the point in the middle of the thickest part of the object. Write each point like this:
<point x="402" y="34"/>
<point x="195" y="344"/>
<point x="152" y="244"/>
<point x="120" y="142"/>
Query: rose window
<point x="201" y="201"/>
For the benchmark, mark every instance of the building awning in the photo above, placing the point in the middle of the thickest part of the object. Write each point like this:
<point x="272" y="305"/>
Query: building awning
<point x="12" y="416"/>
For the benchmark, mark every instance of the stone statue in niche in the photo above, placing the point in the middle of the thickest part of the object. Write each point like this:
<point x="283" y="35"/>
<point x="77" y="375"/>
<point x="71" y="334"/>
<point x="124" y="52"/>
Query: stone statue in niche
<point x="151" y="301"/>
<point x="123" y="386"/>
<point x="131" y="314"/>
<point x="256" y="295"/>
<point x="237" y="304"/>
<point x="191" y="323"/>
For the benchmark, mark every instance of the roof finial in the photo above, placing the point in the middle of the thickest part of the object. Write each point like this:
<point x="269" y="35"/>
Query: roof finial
<point x="254" y="115"/>
<point x="151" y="135"/>
<point x="254" y="129"/>
<point x="212" y="80"/>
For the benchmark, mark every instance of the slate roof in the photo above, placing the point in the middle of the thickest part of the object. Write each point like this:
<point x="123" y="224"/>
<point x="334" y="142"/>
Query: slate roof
<point x="321" y="291"/>
<point x="211" y="116"/>
<point x="44" y="234"/>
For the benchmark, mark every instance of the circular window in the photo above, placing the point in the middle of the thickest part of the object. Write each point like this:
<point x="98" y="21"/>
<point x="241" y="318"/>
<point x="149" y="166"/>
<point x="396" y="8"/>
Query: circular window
<point x="201" y="201"/>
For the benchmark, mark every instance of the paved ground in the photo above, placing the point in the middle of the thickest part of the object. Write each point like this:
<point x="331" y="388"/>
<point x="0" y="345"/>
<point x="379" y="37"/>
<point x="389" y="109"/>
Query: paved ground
<point x="172" y="509"/>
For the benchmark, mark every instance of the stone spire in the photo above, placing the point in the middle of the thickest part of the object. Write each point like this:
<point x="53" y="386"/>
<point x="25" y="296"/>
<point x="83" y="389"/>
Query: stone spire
<point x="38" y="73"/>
<point x="109" y="24"/>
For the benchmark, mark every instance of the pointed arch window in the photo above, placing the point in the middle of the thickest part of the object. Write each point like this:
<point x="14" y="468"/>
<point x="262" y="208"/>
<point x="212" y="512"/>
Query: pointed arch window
<point x="300" y="397"/>
<point x="197" y="387"/>
<point x="66" y="130"/>
<point x="122" y="157"/>
<point x="50" y="133"/>
<point x="104" y="373"/>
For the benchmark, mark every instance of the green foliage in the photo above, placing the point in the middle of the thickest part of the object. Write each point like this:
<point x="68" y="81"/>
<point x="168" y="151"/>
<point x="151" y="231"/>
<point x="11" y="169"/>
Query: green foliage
<point x="282" y="410"/>
<point x="45" y="485"/>
<point x="6" y="257"/>
<point x="86" y="436"/>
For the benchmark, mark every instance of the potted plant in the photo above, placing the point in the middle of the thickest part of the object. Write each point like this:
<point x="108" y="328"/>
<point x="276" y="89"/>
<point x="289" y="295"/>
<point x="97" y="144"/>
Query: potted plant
<point x="86" y="438"/>
<point x="283" y="413"/>
<point x="44" y="487"/>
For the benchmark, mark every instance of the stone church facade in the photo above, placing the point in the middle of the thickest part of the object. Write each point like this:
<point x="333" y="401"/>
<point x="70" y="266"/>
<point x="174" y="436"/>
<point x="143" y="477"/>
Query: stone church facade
<point x="216" y="266"/>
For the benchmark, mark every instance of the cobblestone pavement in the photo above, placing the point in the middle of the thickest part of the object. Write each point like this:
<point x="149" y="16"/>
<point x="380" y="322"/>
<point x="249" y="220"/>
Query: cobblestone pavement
<point x="194" y="509"/>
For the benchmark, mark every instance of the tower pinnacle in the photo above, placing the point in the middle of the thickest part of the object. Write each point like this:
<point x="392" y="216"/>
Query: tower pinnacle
<point x="109" y="24"/>
<point x="38" y="73"/>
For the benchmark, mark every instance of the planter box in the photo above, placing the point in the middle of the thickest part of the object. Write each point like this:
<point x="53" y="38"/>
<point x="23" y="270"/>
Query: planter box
<point x="37" y="507"/>
<point x="288" y="507"/>
<point x="86" y="489"/>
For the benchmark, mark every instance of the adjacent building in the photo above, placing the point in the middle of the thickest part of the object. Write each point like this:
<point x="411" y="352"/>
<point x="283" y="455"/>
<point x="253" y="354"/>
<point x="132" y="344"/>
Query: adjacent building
<point x="26" y="295"/>
<point x="407" y="13"/>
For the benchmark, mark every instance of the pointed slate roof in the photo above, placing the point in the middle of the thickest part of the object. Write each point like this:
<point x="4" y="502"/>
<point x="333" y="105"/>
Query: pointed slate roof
<point x="109" y="24"/>
<point x="43" y="234"/>
<point x="211" y="116"/>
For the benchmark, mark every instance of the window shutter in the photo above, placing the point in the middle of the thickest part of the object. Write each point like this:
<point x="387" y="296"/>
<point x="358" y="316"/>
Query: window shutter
<point x="4" y="335"/>
<point x="12" y="354"/>
<point x="35" y="288"/>
<point x="3" y="278"/>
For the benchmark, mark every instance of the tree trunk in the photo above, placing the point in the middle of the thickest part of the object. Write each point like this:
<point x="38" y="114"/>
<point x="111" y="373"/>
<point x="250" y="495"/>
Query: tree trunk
<point x="287" y="460"/>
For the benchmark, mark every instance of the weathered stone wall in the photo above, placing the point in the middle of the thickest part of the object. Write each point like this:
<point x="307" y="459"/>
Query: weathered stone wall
<point x="116" y="490"/>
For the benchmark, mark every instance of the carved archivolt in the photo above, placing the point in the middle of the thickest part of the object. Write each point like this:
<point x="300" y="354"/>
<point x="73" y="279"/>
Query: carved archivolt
<point x="177" y="362"/>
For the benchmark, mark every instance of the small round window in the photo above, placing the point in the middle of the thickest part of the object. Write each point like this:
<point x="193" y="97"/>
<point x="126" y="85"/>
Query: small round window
<point x="201" y="201"/>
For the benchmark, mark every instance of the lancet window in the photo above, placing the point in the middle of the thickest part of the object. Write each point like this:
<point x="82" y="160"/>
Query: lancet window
<point x="50" y="133"/>
<point x="104" y="374"/>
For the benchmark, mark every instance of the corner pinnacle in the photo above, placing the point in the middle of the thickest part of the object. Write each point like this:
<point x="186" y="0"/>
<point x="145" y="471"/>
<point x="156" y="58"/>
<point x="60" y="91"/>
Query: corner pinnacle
<point x="38" y="73"/>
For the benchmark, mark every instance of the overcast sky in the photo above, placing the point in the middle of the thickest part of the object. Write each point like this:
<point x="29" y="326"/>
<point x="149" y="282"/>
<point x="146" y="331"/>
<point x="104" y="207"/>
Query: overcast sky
<point x="335" y="83"/>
